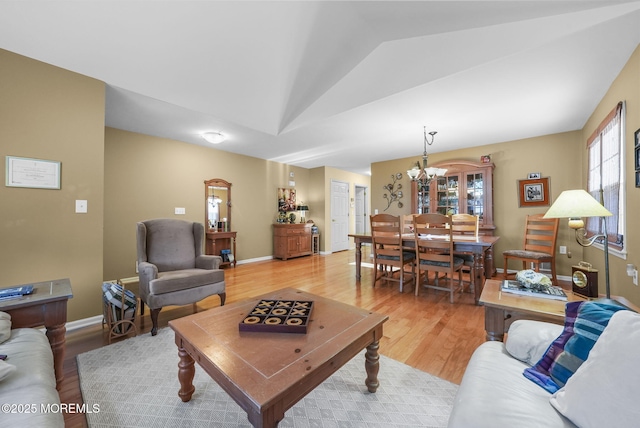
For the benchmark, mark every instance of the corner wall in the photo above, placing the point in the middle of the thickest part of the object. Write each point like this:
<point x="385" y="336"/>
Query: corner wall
<point x="53" y="114"/>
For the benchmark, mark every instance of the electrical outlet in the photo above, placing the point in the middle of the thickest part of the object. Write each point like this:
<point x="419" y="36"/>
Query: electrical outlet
<point x="563" y="249"/>
<point x="180" y="211"/>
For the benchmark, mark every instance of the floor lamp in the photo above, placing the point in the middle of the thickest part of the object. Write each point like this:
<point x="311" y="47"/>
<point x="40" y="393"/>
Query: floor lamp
<point x="574" y="205"/>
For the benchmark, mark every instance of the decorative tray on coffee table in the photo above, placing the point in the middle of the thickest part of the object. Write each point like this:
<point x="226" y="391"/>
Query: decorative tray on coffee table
<point x="281" y="316"/>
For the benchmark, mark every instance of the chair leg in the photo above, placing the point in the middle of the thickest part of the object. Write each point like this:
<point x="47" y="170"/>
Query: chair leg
<point x="505" y="268"/>
<point x="154" y="321"/>
<point x="553" y="272"/>
<point x="375" y="272"/>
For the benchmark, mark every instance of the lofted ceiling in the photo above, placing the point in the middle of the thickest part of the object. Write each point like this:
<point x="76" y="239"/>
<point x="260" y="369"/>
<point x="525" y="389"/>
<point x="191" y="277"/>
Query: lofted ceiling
<point x="335" y="83"/>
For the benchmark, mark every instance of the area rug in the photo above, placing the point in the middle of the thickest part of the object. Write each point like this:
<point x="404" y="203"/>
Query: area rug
<point x="135" y="384"/>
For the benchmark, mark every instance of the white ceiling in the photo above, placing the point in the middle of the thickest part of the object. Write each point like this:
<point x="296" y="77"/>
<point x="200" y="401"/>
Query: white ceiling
<point x="341" y="84"/>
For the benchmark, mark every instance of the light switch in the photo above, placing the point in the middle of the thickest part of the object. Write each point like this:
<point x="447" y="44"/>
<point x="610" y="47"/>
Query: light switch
<point x="81" y="206"/>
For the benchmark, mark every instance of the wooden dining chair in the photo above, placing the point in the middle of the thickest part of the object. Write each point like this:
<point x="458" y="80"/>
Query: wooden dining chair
<point x="407" y="223"/>
<point x="433" y="236"/>
<point x="540" y="237"/>
<point x="388" y="250"/>
<point x="466" y="224"/>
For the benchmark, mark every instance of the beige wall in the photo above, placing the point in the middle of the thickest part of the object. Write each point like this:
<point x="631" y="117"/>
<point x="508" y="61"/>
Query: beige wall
<point x="513" y="161"/>
<point x="563" y="158"/>
<point x="626" y="87"/>
<point x="50" y="113"/>
<point x="148" y="177"/>
<point x="53" y="114"/>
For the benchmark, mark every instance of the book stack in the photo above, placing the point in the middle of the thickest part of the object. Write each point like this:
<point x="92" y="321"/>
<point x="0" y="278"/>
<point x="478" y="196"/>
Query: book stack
<point x="226" y="255"/>
<point x="544" y="291"/>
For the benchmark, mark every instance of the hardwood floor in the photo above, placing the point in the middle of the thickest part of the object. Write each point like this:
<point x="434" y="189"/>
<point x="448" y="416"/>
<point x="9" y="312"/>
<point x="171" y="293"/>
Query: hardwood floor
<point x="425" y="332"/>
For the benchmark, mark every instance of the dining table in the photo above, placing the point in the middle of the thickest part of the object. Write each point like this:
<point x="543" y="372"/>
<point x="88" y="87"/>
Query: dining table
<point x="481" y="247"/>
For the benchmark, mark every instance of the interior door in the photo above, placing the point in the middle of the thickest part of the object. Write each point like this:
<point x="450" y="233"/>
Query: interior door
<point x="339" y="216"/>
<point x="361" y="210"/>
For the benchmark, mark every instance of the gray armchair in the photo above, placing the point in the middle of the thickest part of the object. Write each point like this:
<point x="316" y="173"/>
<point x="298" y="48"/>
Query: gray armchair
<point x="172" y="268"/>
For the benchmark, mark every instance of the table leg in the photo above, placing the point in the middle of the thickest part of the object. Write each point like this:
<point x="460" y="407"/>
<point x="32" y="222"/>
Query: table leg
<point x="372" y="365"/>
<point x="56" y="336"/>
<point x="479" y="267"/>
<point x="186" y="372"/>
<point x="494" y="322"/>
<point x="358" y="258"/>
<point x="489" y="268"/>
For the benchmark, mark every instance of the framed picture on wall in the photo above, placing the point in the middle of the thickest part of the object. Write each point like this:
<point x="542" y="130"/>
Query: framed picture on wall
<point x="33" y="173"/>
<point x="286" y="199"/>
<point x="534" y="192"/>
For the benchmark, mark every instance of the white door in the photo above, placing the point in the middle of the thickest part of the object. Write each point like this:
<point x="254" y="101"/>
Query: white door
<point x="361" y="210"/>
<point x="339" y="216"/>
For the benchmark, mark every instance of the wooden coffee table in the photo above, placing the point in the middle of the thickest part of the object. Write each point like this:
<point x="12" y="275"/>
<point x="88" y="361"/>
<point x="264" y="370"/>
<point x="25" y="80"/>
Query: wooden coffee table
<point x="267" y="373"/>
<point x="501" y="309"/>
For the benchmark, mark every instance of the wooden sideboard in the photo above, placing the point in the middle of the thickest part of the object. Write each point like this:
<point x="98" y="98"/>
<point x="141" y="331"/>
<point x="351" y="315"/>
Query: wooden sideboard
<point x="291" y="240"/>
<point x="218" y="241"/>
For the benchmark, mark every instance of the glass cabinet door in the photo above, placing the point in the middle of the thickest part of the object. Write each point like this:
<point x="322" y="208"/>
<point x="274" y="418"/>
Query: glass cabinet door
<point x="448" y="196"/>
<point x="423" y="199"/>
<point x="475" y="195"/>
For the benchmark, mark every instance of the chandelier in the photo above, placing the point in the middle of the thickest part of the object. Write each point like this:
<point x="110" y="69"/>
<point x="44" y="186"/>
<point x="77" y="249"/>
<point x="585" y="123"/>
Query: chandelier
<point x="420" y="173"/>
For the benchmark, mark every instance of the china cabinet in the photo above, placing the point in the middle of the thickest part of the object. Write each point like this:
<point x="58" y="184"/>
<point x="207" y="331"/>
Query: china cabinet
<point x="466" y="188"/>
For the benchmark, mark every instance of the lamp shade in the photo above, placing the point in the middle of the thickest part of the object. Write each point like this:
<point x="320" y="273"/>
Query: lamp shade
<point x="214" y="137"/>
<point x="413" y="173"/>
<point x="575" y="204"/>
<point x="303" y="208"/>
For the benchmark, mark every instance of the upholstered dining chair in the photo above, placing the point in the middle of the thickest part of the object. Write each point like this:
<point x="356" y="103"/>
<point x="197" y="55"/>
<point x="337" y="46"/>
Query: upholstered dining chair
<point x="466" y="224"/>
<point x="172" y="267"/>
<point x="540" y="236"/>
<point x="388" y="251"/>
<point x="433" y="237"/>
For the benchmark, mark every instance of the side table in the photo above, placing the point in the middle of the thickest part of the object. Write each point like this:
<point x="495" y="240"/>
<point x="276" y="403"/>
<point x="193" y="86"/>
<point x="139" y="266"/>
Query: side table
<point x="46" y="306"/>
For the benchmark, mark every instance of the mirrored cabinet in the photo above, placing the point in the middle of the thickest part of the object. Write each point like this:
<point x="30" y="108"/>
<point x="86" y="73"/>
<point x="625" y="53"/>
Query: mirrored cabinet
<point x="220" y="238"/>
<point x="466" y="188"/>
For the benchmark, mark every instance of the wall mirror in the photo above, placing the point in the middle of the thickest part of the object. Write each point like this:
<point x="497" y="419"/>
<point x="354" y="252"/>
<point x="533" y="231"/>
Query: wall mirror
<point x="217" y="205"/>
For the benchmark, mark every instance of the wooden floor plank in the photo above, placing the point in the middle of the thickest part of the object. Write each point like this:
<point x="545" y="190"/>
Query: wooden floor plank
<point x="426" y="332"/>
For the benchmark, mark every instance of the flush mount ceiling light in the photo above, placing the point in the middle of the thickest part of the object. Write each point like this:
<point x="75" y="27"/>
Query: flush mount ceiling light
<point x="214" y="137"/>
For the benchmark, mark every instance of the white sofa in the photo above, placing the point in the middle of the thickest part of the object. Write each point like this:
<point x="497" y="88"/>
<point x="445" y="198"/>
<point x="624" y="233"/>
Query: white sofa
<point x="28" y="395"/>
<point x="603" y="391"/>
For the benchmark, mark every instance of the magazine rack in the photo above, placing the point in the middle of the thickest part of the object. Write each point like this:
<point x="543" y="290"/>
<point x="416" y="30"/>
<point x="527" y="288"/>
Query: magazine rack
<point x="119" y="310"/>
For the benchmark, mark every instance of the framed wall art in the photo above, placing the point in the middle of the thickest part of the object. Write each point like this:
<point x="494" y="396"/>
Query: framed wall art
<point x="534" y="192"/>
<point x="33" y="173"/>
<point x="286" y="199"/>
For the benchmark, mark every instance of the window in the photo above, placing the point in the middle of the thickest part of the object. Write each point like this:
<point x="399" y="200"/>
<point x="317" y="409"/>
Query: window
<point x="605" y="176"/>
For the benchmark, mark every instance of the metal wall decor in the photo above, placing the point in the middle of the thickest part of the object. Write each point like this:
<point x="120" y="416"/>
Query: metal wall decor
<point x="395" y="192"/>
